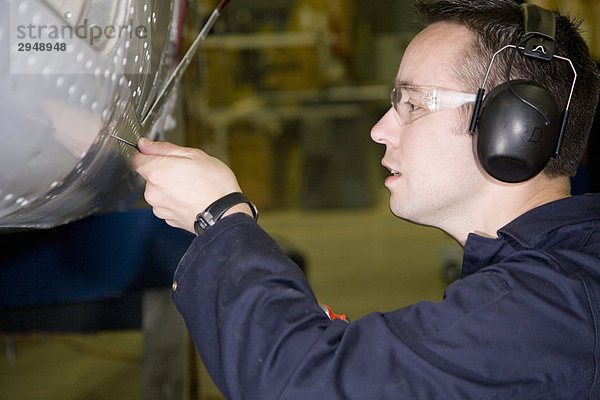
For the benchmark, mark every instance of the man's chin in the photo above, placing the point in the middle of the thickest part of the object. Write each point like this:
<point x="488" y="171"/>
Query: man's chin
<point x="408" y="215"/>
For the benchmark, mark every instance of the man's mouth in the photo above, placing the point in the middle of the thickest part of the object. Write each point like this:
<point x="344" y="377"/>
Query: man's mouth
<point x="393" y="172"/>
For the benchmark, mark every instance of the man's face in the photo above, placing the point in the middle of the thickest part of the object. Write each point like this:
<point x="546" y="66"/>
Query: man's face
<point x="434" y="176"/>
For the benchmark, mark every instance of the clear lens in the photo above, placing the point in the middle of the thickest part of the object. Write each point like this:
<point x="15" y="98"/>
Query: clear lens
<point x="414" y="102"/>
<point x="410" y="103"/>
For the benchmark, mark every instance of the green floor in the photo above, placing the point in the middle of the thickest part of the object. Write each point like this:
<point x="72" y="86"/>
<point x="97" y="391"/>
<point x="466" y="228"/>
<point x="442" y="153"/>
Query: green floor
<point x="359" y="261"/>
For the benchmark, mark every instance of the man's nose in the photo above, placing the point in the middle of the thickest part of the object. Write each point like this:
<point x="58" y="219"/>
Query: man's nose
<point x="386" y="130"/>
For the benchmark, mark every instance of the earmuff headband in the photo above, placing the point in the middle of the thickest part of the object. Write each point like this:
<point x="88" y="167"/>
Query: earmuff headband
<point x="540" y="24"/>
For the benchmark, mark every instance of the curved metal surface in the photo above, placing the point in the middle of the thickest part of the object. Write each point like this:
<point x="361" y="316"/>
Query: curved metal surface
<point x="58" y="107"/>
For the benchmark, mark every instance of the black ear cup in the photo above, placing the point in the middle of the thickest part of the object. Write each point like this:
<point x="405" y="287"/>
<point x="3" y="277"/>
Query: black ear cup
<point x="518" y="131"/>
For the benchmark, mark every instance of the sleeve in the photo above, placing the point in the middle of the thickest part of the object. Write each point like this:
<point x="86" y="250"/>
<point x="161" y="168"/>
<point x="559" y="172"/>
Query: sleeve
<point x="262" y="334"/>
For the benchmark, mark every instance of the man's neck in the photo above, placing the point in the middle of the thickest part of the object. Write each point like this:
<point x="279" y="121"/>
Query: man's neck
<point x="500" y="205"/>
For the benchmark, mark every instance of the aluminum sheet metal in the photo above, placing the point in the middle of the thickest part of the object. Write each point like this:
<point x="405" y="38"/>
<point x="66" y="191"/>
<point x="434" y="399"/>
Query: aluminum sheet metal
<point x="73" y="73"/>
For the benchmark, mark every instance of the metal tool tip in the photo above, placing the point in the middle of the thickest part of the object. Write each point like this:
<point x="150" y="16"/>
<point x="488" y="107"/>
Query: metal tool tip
<point x="127" y="142"/>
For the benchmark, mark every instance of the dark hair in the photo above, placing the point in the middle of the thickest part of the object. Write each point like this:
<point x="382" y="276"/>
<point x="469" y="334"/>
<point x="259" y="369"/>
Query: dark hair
<point x="497" y="23"/>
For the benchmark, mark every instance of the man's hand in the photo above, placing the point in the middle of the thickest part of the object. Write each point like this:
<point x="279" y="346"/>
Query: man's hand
<point x="181" y="182"/>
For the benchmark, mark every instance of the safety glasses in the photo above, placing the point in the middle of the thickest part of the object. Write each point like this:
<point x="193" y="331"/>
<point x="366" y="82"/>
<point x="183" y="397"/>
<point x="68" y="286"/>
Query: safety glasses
<point x="414" y="102"/>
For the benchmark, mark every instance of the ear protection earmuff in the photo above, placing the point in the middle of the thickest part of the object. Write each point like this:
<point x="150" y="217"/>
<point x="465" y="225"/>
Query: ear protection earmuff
<point x="517" y="126"/>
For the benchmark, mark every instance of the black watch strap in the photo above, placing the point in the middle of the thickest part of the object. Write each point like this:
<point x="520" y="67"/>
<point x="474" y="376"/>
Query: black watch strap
<point x="215" y="211"/>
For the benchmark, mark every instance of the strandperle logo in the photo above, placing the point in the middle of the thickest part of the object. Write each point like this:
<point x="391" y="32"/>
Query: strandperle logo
<point x="91" y="33"/>
<point x="46" y="41"/>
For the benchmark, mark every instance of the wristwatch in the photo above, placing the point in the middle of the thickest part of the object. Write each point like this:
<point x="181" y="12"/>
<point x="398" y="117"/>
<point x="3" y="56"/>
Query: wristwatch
<point x="215" y="211"/>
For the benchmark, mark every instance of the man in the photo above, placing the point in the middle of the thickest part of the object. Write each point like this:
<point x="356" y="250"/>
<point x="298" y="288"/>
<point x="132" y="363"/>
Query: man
<point x="523" y="321"/>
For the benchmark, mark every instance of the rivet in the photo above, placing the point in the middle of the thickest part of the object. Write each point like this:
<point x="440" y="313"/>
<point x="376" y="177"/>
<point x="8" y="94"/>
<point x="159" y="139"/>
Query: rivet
<point x="174" y="287"/>
<point x="23" y="7"/>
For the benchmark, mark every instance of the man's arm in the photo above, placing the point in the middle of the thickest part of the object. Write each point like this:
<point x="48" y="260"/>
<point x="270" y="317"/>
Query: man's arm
<point x="262" y="335"/>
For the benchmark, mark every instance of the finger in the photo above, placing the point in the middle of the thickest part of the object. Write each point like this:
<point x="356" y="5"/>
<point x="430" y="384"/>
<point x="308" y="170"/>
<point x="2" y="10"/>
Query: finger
<point x="149" y="147"/>
<point x="148" y="165"/>
<point x="138" y="161"/>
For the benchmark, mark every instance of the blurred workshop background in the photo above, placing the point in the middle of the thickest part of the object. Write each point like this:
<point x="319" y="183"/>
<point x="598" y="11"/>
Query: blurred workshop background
<point x="285" y="92"/>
